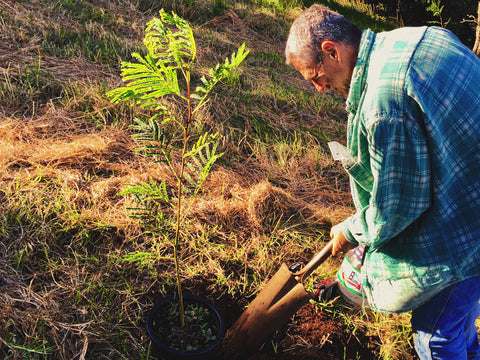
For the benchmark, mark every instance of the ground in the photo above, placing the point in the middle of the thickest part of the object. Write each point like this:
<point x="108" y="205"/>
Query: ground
<point x="321" y="337"/>
<point x="77" y="274"/>
<point x="311" y="334"/>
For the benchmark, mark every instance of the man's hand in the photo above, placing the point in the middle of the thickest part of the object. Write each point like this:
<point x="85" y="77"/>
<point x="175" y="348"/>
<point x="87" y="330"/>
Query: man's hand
<point x="340" y="242"/>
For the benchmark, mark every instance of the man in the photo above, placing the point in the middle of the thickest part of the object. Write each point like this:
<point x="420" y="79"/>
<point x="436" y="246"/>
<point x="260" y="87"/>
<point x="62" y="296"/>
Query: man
<point x="413" y="103"/>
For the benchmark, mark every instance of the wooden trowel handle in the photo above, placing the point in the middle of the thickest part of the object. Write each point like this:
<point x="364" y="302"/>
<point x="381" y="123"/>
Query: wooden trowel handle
<point x="317" y="260"/>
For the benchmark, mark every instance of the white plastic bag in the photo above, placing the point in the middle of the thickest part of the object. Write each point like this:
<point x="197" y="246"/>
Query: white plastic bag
<point x="350" y="277"/>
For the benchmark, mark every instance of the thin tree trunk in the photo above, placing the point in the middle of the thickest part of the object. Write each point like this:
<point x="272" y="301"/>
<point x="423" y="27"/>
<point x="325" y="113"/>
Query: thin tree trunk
<point x="476" y="47"/>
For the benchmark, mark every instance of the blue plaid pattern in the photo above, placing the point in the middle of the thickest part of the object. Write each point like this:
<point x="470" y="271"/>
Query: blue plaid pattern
<point x="414" y="129"/>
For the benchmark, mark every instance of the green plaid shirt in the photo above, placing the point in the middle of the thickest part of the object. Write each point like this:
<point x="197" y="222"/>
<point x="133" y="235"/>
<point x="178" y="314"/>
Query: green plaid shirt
<point x="414" y="131"/>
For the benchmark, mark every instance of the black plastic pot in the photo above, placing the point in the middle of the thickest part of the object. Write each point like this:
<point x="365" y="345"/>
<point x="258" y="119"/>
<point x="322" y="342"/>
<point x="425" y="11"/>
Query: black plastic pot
<point x="159" y="348"/>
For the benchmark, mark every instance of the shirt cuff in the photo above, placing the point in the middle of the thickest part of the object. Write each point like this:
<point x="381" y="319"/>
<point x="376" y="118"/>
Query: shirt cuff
<point x="346" y="231"/>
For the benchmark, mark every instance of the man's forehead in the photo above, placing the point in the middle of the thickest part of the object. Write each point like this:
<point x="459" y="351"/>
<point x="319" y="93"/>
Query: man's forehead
<point x="307" y="70"/>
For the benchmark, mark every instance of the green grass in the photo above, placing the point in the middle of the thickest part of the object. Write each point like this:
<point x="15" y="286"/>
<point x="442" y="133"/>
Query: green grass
<point x="84" y="11"/>
<point x="32" y="83"/>
<point x="77" y="274"/>
<point x="96" y="48"/>
<point x="359" y="14"/>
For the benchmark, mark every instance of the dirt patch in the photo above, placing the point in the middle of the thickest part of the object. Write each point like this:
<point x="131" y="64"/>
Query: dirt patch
<point x="312" y="333"/>
<point x="315" y="334"/>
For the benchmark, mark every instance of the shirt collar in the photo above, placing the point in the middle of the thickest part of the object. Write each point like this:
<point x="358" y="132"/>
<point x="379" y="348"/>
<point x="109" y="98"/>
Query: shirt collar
<point x="359" y="74"/>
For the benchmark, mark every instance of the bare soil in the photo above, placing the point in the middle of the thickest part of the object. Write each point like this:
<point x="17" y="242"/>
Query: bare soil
<point x="311" y="334"/>
<point x="314" y="334"/>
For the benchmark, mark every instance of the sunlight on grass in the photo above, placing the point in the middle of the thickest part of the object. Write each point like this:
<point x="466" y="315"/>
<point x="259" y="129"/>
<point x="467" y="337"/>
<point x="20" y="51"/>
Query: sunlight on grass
<point x="78" y="274"/>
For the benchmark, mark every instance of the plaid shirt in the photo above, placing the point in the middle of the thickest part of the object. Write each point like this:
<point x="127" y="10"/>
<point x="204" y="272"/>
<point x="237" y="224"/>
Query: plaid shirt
<point x="414" y="132"/>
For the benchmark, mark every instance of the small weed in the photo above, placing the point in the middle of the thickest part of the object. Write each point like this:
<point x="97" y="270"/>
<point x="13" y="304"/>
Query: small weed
<point x="101" y="48"/>
<point x="28" y="86"/>
<point x="85" y="12"/>
<point x="267" y="59"/>
<point x="36" y="349"/>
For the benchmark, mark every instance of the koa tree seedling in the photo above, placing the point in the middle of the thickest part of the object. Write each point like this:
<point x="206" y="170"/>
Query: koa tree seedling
<point x="160" y="81"/>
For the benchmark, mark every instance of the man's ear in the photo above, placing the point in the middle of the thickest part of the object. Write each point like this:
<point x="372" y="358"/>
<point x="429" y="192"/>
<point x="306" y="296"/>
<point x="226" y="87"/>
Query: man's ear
<point x="330" y="49"/>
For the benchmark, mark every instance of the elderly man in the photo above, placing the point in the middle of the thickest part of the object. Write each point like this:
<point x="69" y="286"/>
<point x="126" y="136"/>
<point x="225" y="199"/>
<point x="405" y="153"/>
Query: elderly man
<point x="413" y="103"/>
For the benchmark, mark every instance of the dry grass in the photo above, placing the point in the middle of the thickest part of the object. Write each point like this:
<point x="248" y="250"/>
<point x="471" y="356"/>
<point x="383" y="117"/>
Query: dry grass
<point x="77" y="274"/>
<point x="66" y="232"/>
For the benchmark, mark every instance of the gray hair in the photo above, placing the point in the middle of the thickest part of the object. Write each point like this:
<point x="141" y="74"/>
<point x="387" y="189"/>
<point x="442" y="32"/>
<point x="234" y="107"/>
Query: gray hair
<point x="315" y="25"/>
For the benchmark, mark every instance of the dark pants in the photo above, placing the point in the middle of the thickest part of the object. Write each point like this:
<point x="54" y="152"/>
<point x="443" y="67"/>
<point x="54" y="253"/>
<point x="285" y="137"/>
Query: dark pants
<point x="444" y="328"/>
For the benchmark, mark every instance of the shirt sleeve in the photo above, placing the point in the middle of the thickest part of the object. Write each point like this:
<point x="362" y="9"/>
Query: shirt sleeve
<point x="398" y="169"/>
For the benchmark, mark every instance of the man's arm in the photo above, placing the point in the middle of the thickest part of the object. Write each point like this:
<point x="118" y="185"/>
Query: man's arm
<point x="399" y="162"/>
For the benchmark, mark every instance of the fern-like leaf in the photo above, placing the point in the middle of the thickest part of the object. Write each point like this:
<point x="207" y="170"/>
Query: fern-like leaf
<point x="155" y="75"/>
<point x="149" y="212"/>
<point x="175" y="48"/>
<point x="158" y="142"/>
<point x="149" y="191"/>
<point x="146" y="82"/>
<point x="200" y="159"/>
<point x="218" y="73"/>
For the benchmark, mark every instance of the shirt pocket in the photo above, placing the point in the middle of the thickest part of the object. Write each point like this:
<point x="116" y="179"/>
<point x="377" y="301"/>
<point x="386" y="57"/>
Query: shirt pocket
<point x="361" y="175"/>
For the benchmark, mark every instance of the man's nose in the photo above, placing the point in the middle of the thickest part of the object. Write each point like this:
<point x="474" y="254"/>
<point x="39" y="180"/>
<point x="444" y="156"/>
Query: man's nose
<point x="320" y="88"/>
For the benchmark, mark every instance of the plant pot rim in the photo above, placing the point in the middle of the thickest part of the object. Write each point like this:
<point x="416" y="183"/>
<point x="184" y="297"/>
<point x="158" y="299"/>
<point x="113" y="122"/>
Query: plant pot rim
<point x="162" y="346"/>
